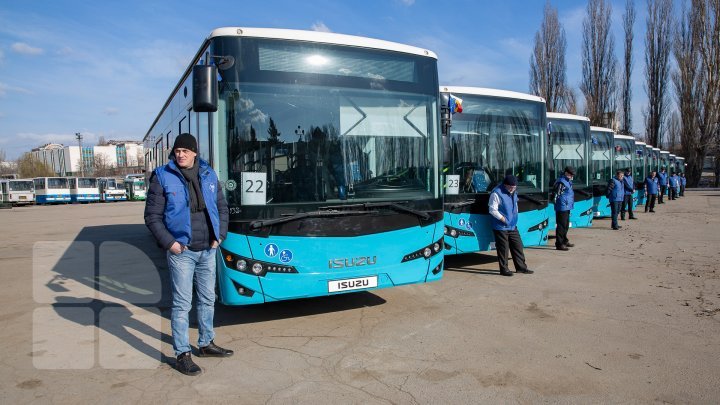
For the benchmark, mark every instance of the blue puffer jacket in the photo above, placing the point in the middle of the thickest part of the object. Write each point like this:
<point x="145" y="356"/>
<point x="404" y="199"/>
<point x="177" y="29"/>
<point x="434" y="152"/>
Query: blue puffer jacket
<point x="663" y="177"/>
<point x="167" y="206"/>
<point x="683" y="181"/>
<point x="629" y="185"/>
<point x="616" y="191"/>
<point x="564" y="194"/>
<point x="508" y="208"/>
<point x="674" y="181"/>
<point x="652" y="185"/>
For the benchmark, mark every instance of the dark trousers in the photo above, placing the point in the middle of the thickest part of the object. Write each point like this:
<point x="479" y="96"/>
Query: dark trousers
<point x="562" y="219"/>
<point x="663" y="190"/>
<point x="682" y="191"/>
<point x="511" y="240"/>
<point x="673" y="193"/>
<point x="614" y="210"/>
<point x="650" y="202"/>
<point x="627" y="201"/>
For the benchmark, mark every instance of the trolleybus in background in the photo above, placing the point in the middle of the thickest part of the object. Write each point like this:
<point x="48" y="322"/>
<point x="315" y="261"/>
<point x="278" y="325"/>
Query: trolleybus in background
<point x="656" y="158"/>
<point x="639" y="171"/>
<point x="569" y="140"/>
<point x="624" y="156"/>
<point x="51" y="190"/>
<point x="83" y="189"/>
<point x="327" y="148"/>
<point x="135" y="187"/>
<point x="110" y="189"/>
<point x="602" y="147"/>
<point x="497" y="133"/>
<point x="17" y="191"/>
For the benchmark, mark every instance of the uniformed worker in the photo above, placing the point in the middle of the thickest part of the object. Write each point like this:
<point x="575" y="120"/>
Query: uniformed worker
<point x="616" y="195"/>
<point x="627" y="205"/>
<point x="652" y="185"/>
<point x="503" y="207"/>
<point x="564" y="202"/>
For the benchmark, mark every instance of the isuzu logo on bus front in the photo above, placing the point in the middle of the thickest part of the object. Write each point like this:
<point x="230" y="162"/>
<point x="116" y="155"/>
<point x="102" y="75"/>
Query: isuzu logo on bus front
<point x="352" y="262"/>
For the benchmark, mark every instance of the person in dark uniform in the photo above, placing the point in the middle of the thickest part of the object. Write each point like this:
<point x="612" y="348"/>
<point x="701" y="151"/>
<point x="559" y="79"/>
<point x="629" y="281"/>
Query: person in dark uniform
<point x="683" y="182"/>
<point x="564" y="202"/>
<point x="663" y="179"/>
<point x="503" y="207"/>
<point x="627" y="205"/>
<point x="652" y="185"/>
<point x="674" y="183"/>
<point x="616" y="195"/>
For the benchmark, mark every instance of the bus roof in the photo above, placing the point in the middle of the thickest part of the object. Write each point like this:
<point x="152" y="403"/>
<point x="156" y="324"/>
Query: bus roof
<point x="640" y="143"/>
<point x="672" y="155"/>
<point x="567" y="116"/>
<point x="664" y="151"/>
<point x="602" y="129"/>
<point x="623" y="137"/>
<point x="482" y="91"/>
<point x="320" y="37"/>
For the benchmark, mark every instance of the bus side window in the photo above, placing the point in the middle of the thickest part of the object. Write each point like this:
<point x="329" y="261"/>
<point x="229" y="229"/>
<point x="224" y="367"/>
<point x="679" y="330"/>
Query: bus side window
<point x="203" y="136"/>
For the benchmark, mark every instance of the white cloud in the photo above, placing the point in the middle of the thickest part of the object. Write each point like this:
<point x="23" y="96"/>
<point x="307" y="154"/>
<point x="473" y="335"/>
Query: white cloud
<point x="5" y="89"/>
<point x="407" y="2"/>
<point x="111" y="111"/>
<point x="25" y="49"/>
<point x="320" y="27"/>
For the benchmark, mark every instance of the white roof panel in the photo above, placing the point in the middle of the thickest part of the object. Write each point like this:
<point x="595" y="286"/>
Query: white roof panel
<point x="640" y="143"/>
<point x="624" y="137"/>
<point x="564" y="116"/>
<point x="320" y="37"/>
<point x="482" y="91"/>
<point x="602" y="129"/>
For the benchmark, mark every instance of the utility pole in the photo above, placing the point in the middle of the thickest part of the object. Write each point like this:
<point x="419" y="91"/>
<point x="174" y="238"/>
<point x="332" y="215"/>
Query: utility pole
<point x="79" y="137"/>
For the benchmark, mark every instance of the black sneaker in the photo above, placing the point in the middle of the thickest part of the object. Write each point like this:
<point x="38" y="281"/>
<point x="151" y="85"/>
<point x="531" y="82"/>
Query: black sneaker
<point x="526" y="271"/>
<point x="185" y="365"/>
<point x="633" y="217"/>
<point x="506" y="273"/>
<point x="213" y="350"/>
<point x="561" y="248"/>
<point x="570" y="244"/>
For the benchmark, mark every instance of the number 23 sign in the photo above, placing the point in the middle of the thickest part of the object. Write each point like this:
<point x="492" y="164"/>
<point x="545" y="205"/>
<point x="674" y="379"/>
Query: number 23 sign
<point x="253" y="188"/>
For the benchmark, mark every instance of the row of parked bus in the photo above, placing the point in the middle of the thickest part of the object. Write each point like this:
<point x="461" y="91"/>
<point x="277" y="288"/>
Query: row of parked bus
<point x="347" y="167"/>
<point x="63" y="190"/>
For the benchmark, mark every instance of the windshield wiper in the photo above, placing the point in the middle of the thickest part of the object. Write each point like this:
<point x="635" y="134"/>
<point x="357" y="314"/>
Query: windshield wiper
<point x="312" y="214"/>
<point x="531" y="199"/>
<point x="392" y="205"/>
<point x="453" y="206"/>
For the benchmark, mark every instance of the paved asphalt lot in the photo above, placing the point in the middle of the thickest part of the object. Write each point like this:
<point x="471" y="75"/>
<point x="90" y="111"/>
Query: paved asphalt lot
<point x="629" y="316"/>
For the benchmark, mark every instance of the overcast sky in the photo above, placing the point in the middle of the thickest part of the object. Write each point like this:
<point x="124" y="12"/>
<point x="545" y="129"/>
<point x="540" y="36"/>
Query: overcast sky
<point x="105" y="68"/>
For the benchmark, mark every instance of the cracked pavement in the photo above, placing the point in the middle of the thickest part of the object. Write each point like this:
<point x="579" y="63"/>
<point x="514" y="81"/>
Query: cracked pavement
<point x="629" y="316"/>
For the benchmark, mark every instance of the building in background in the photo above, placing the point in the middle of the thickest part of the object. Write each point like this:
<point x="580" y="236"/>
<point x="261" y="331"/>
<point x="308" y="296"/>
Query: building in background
<point x="116" y="158"/>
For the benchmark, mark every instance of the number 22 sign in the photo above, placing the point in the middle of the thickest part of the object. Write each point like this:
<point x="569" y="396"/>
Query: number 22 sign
<point x="253" y="188"/>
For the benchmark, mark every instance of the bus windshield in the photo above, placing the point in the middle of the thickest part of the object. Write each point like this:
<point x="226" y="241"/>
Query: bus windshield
<point x="601" y="146"/>
<point x="494" y="137"/>
<point x="639" y="166"/>
<point x="624" y="151"/>
<point x="57" y="182"/>
<point x="16" y="185"/>
<point x="111" y="184"/>
<point x="569" y="142"/>
<point x="86" y="183"/>
<point x="139" y="185"/>
<point x="315" y="123"/>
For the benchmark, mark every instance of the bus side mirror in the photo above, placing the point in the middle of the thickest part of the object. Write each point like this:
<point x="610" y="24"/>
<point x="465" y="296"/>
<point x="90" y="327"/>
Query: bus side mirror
<point x="205" y="88"/>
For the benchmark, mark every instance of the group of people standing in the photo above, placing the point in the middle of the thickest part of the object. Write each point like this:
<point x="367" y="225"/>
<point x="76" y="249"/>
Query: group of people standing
<point x="620" y="191"/>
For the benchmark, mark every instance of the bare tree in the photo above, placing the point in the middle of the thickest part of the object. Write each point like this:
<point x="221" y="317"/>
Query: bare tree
<point x="697" y="83"/>
<point x="102" y="167"/>
<point x="626" y="90"/>
<point x="658" y="44"/>
<point x="673" y="132"/>
<point x="101" y="141"/>
<point x="547" y="62"/>
<point x="598" y="62"/>
<point x="29" y="166"/>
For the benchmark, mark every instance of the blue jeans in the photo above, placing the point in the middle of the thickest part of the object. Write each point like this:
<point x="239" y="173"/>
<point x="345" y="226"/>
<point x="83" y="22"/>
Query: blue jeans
<point x="183" y="267"/>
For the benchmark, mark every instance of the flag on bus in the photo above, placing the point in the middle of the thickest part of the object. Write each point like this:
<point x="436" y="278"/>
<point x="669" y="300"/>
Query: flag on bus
<point x="455" y="104"/>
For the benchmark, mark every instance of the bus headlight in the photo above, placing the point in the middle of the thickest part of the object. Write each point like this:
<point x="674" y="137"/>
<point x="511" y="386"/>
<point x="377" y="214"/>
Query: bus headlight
<point x="445" y="230"/>
<point x="453" y="233"/>
<point x="257" y="268"/>
<point x="426" y="252"/>
<point x="241" y="265"/>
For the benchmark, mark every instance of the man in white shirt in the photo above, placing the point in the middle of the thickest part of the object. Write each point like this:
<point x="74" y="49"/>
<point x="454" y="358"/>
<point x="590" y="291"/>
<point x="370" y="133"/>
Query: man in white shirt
<point x="503" y="207"/>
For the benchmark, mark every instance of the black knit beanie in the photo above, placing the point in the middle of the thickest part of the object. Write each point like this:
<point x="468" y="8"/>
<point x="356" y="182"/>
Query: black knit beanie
<point x="185" y="141"/>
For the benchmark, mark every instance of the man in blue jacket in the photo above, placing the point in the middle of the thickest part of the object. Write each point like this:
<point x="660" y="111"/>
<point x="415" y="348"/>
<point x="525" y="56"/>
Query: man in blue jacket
<point x="186" y="212"/>
<point x="627" y="205"/>
<point x="616" y="195"/>
<point x="683" y="182"/>
<point x="503" y="207"/>
<point x="674" y="182"/>
<point x="564" y="202"/>
<point x="651" y="186"/>
<point x="663" y="179"/>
